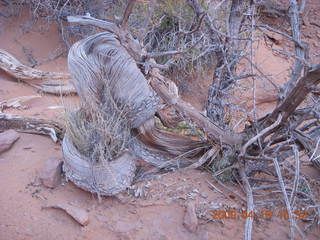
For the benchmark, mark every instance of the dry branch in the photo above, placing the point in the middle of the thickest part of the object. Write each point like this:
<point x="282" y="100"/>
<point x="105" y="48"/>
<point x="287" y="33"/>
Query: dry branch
<point x="32" y="125"/>
<point x="127" y="13"/>
<point x="295" y="97"/>
<point x="286" y="199"/>
<point x="214" y="132"/>
<point x="16" y="102"/>
<point x="212" y="153"/>
<point x="299" y="50"/>
<point x="260" y="134"/>
<point x="250" y="205"/>
<point x="55" y="83"/>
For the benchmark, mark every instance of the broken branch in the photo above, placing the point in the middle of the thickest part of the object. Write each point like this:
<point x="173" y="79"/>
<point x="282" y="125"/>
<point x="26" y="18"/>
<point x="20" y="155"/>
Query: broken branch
<point x="32" y="125"/>
<point x="127" y="13"/>
<point x="54" y="83"/>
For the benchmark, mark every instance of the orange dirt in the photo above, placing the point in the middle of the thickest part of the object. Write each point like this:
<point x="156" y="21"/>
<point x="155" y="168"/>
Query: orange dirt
<point x="157" y="215"/>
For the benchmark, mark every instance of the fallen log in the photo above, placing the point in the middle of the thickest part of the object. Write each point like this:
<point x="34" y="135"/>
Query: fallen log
<point x="32" y="125"/>
<point x="49" y="82"/>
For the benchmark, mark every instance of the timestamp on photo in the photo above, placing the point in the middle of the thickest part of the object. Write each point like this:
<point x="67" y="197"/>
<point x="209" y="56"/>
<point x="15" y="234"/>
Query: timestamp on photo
<point x="261" y="214"/>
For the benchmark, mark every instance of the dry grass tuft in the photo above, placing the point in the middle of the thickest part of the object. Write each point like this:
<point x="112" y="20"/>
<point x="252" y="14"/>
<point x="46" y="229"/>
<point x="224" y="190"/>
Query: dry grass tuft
<point x="99" y="134"/>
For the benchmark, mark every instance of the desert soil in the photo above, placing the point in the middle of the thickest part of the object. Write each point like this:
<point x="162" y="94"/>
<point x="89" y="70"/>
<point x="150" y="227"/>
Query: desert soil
<point x="156" y="213"/>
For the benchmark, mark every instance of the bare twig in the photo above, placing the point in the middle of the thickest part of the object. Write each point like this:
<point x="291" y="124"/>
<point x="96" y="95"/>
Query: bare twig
<point x="260" y="134"/>
<point x="127" y="13"/>
<point x="148" y="18"/>
<point x="250" y="205"/>
<point x="278" y="32"/>
<point x="297" y="174"/>
<point x="302" y="6"/>
<point x="88" y="20"/>
<point x="286" y="199"/>
<point x="229" y="189"/>
<point x="212" y="153"/>
<point x="295" y="25"/>
<point x="172" y="53"/>
<point x="196" y="28"/>
<point x="164" y="54"/>
<point x="294" y="98"/>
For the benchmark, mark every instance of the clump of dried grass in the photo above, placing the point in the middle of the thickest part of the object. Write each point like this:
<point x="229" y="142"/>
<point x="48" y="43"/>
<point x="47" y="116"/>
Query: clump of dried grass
<point x="99" y="134"/>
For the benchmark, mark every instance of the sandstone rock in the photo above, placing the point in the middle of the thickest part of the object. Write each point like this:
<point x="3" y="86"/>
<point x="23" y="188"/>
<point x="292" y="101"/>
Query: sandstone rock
<point x="78" y="214"/>
<point x="50" y="174"/>
<point x="7" y="139"/>
<point x="190" y="220"/>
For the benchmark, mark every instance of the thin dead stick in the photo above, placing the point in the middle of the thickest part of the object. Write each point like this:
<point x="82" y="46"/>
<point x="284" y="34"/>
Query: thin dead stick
<point x="164" y="54"/>
<point x="127" y="13"/>
<point x="315" y="150"/>
<point x="148" y="19"/>
<point x="297" y="174"/>
<point x="285" y="196"/>
<point x="229" y="189"/>
<point x="212" y="153"/>
<point x="254" y="87"/>
<point x="279" y="32"/>
<point x="217" y="173"/>
<point x="260" y="134"/>
<point x="299" y="50"/>
<point x="218" y="190"/>
<point x="196" y="28"/>
<point x="250" y="205"/>
<point x="173" y="53"/>
<point x="16" y="102"/>
<point x="297" y="95"/>
<point x="302" y="6"/>
<point x="262" y="74"/>
<point x="88" y="20"/>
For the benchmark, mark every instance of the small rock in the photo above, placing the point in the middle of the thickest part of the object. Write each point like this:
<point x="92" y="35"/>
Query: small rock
<point x="78" y="214"/>
<point x="190" y="220"/>
<point x="50" y="174"/>
<point x="203" y="195"/>
<point x="7" y="139"/>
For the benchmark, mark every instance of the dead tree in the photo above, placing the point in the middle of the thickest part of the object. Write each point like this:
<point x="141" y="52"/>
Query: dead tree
<point x="264" y="146"/>
<point x="121" y="85"/>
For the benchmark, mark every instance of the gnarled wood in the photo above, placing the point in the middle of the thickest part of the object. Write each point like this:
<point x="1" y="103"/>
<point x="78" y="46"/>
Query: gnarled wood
<point x="32" y="125"/>
<point x="49" y="82"/>
<point x="214" y="132"/>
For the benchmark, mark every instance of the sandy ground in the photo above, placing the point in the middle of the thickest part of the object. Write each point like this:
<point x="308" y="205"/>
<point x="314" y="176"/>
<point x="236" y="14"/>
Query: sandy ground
<point x="158" y="215"/>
